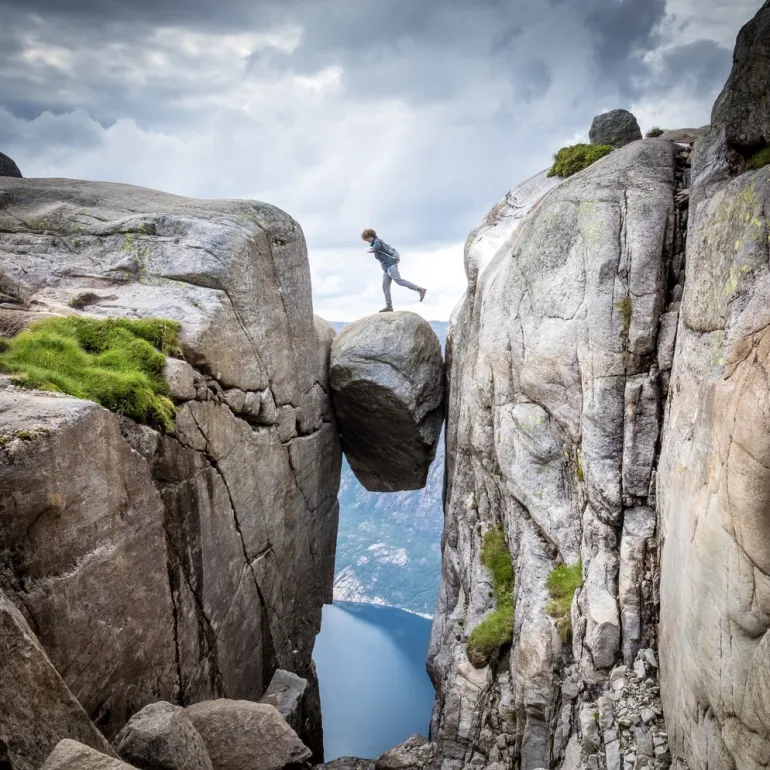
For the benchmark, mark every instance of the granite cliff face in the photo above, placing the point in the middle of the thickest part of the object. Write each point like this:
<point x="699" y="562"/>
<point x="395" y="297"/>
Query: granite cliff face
<point x="554" y="388"/>
<point x="714" y="479"/>
<point x="182" y="566"/>
<point x="607" y="406"/>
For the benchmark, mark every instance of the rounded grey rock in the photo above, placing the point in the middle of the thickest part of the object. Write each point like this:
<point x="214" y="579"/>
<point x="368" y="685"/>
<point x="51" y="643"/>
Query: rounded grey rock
<point x="387" y="378"/>
<point x="162" y="737"/>
<point x="616" y="127"/>
<point x="8" y="167"/>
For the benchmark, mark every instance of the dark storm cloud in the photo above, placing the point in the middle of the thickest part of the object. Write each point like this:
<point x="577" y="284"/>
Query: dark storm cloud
<point x="703" y="64"/>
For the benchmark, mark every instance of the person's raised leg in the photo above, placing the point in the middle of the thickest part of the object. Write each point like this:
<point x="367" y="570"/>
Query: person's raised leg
<point x="386" y="281"/>
<point x="394" y="273"/>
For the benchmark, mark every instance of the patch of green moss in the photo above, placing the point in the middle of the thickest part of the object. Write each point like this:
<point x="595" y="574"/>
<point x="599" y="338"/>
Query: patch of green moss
<point x="562" y="583"/>
<point x="625" y="306"/>
<point x="653" y="132"/>
<point x="116" y="362"/>
<point x="570" y="160"/>
<point x="579" y="464"/>
<point x="496" y="630"/>
<point x="23" y="435"/>
<point x="760" y="159"/>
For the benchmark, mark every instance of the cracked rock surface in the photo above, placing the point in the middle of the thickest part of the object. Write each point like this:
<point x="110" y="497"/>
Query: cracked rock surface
<point x="188" y="566"/>
<point x="387" y="377"/>
<point x="714" y="483"/>
<point x="553" y="422"/>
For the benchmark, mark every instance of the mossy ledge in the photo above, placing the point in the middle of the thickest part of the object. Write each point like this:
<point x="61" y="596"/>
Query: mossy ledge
<point x="496" y="630"/>
<point x="570" y="160"/>
<point x="117" y="363"/>
<point x="562" y="583"/>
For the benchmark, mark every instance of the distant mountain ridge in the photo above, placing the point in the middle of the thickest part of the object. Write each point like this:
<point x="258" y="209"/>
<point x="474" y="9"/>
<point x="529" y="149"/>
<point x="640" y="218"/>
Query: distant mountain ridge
<point x="389" y="544"/>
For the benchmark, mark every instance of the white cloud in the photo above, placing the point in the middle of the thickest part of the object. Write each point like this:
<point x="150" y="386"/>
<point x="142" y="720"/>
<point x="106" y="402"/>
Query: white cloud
<point x="416" y="132"/>
<point x="347" y="283"/>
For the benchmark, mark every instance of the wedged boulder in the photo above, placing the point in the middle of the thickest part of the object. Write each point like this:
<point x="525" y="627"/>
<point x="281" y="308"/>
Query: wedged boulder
<point x="242" y="735"/>
<point x="162" y="737"/>
<point x="387" y="377"/>
<point x="37" y="709"/>
<point x="8" y="167"/>
<point x="71" y="755"/>
<point x="616" y="127"/>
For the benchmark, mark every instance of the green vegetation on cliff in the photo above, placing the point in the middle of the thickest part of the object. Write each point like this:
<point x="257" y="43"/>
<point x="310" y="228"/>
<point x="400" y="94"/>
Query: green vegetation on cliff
<point x="496" y="630"/>
<point x="654" y="132"/>
<point x="570" y="160"/>
<point x="562" y="584"/>
<point x="116" y="362"/>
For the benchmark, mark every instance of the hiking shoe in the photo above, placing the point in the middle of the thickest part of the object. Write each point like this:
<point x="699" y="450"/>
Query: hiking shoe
<point x="386" y="310"/>
<point x="422" y="294"/>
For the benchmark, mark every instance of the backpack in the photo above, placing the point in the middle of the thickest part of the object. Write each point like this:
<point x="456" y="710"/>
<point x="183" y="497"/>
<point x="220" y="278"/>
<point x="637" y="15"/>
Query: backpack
<point x="390" y="251"/>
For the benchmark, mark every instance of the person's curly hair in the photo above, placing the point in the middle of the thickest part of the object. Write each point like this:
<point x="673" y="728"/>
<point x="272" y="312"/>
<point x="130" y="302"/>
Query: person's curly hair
<point x="368" y="234"/>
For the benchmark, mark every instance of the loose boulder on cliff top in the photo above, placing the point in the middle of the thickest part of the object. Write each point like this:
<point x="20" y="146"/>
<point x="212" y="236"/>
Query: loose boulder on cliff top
<point x="616" y="127"/>
<point x="162" y="737"/>
<point x="387" y="377"/>
<point x="241" y="735"/>
<point x="8" y="167"/>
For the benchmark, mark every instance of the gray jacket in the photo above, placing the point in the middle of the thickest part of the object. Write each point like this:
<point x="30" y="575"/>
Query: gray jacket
<point x="386" y="255"/>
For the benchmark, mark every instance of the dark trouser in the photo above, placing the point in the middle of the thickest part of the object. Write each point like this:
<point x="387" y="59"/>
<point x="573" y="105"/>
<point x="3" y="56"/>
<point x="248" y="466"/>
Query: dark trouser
<point x="392" y="274"/>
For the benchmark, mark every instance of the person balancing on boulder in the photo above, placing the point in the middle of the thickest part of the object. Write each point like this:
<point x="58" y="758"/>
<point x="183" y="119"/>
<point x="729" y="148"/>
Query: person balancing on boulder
<point x="389" y="258"/>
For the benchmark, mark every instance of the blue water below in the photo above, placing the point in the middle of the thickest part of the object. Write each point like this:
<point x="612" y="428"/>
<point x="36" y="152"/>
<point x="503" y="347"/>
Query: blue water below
<point x="371" y="670"/>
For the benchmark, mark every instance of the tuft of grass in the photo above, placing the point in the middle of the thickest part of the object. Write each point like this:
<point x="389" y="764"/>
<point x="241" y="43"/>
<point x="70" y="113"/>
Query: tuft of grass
<point x="562" y="583"/>
<point x="653" y="132"/>
<point x="116" y="362"/>
<point x="579" y="464"/>
<point x="496" y="630"/>
<point x="570" y="160"/>
<point x="760" y="159"/>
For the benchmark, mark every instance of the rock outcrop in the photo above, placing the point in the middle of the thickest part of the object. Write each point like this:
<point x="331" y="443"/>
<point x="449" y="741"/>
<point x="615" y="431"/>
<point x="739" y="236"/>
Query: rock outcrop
<point x="37" y="708"/>
<point x="714" y="483"/>
<point x="616" y="127"/>
<point x="241" y="735"/>
<point x="552" y="428"/>
<point x="162" y="737"/>
<point x="611" y="413"/>
<point x="387" y="377"/>
<point x="8" y="167"/>
<point x="71" y="755"/>
<point x="183" y="566"/>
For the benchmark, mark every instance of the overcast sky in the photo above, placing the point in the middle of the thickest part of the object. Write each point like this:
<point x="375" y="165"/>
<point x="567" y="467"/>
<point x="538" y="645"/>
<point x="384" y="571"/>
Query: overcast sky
<point x="410" y="116"/>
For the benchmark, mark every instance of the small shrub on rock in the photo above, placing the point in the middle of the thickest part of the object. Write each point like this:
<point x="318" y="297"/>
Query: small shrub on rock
<point x="496" y="630"/>
<point x="570" y="160"/>
<point x="117" y="363"/>
<point x="760" y="159"/>
<point x="562" y="584"/>
<point x="654" y="132"/>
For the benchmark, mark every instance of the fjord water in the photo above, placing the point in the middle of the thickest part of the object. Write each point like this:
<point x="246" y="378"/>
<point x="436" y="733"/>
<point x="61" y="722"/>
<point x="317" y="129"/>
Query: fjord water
<point x="375" y="692"/>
